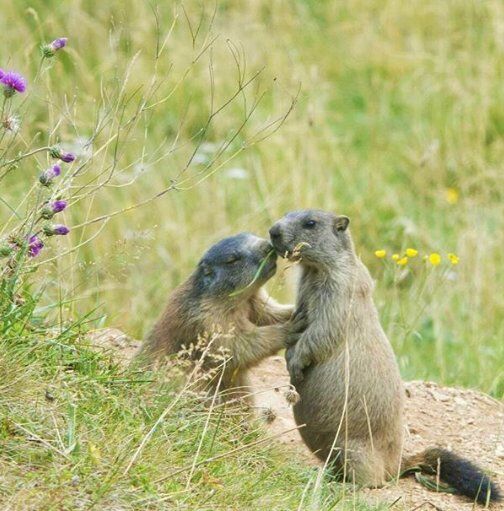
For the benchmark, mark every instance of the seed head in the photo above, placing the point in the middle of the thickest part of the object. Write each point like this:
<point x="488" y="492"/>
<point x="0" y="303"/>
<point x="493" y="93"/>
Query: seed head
<point x="268" y="415"/>
<point x="291" y="396"/>
<point x="11" y="123"/>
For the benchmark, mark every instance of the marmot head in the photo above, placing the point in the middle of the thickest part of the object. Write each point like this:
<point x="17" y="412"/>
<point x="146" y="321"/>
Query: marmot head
<point x="311" y="235"/>
<point x="235" y="267"/>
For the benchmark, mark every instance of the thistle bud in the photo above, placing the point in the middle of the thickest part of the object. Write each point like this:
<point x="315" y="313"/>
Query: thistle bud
<point x="47" y="213"/>
<point x="49" y="50"/>
<point x="56" y="152"/>
<point x="48" y="175"/>
<point x="56" y="230"/>
<point x="59" y="205"/>
<point x="51" y="209"/>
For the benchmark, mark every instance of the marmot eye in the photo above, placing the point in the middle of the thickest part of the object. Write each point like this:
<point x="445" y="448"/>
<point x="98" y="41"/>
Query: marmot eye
<point x="233" y="259"/>
<point x="309" y="224"/>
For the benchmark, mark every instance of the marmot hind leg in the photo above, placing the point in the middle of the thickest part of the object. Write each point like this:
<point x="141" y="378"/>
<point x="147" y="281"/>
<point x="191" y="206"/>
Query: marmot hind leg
<point x="356" y="463"/>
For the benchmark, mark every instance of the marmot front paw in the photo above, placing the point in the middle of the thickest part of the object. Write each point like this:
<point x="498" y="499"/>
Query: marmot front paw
<point x="296" y="362"/>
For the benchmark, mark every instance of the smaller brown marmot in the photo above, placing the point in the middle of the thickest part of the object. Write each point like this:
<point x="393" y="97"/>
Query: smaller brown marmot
<point x="223" y="302"/>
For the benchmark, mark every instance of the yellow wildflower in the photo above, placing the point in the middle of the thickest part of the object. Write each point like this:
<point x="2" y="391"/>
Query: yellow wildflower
<point x="454" y="259"/>
<point x="395" y="257"/>
<point x="380" y="253"/>
<point x="435" y="259"/>
<point x="94" y="453"/>
<point x="411" y="252"/>
<point x="403" y="261"/>
<point x="451" y="196"/>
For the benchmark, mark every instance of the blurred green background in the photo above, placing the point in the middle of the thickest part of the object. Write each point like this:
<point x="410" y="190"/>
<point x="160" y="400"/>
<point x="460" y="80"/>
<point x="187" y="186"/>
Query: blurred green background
<point x="398" y="123"/>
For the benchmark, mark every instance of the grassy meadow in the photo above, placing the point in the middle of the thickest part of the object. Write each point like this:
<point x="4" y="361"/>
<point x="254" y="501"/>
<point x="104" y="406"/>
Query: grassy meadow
<point x="193" y="121"/>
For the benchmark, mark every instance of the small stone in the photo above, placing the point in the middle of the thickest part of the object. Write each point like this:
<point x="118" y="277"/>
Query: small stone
<point x="438" y="396"/>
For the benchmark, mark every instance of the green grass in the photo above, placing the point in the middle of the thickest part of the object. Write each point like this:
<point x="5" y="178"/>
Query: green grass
<point x="75" y="435"/>
<point x="397" y="103"/>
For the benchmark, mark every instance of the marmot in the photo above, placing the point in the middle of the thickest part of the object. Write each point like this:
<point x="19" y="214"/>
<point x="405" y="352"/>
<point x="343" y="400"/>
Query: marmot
<point x="343" y="365"/>
<point x="223" y="300"/>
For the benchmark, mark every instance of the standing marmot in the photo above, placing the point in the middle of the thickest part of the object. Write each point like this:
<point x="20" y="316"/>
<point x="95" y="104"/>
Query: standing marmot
<point x="344" y="368"/>
<point x="223" y="301"/>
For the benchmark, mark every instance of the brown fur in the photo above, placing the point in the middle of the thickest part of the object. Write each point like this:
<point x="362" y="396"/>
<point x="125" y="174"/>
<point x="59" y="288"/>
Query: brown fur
<point x="249" y="326"/>
<point x="342" y="364"/>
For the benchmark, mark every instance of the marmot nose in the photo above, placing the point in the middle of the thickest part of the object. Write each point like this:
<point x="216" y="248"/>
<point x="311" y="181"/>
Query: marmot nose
<point x="275" y="233"/>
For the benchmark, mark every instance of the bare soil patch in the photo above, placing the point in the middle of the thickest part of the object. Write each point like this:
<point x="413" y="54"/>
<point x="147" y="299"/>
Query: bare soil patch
<point x="466" y="421"/>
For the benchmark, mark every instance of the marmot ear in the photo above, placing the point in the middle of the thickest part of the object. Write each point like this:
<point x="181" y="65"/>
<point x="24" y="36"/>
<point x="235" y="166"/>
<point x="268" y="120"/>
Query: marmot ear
<point x="340" y="223"/>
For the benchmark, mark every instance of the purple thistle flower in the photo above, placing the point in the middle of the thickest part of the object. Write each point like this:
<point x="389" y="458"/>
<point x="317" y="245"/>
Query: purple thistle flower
<point x="48" y="50"/>
<point x="35" y="245"/>
<point x="55" y="207"/>
<point x="56" y="152"/>
<point x="61" y="230"/>
<point x="12" y="82"/>
<point x="48" y="175"/>
<point x="59" y="205"/>
<point x="67" y="157"/>
<point x="56" y="229"/>
<point x="59" y="43"/>
<point x="2" y="73"/>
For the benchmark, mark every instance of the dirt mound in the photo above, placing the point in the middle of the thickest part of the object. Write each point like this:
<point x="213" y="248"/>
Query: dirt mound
<point x="466" y="421"/>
